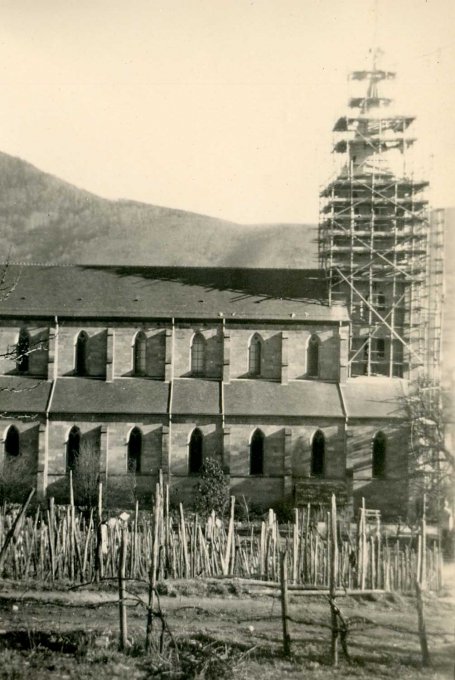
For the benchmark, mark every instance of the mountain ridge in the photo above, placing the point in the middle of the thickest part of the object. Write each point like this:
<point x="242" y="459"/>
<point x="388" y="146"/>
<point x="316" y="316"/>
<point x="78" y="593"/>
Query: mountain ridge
<point x="48" y="220"/>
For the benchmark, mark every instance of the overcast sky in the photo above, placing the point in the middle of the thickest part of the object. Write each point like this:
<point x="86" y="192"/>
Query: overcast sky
<point x="223" y="107"/>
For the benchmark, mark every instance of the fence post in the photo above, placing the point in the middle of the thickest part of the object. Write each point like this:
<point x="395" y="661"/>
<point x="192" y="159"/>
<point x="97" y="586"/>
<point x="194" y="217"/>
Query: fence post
<point x="421" y="623"/>
<point x="333" y="580"/>
<point x="284" y="602"/>
<point x="12" y="533"/>
<point x="121" y="593"/>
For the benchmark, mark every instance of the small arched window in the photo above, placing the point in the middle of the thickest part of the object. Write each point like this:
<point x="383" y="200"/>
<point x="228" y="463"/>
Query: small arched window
<point x="134" y="450"/>
<point x="195" y="453"/>
<point x="140" y="354"/>
<point x="198" y="354"/>
<point x="313" y="357"/>
<point x="23" y="351"/>
<point x="318" y="454"/>
<point x="257" y="453"/>
<point x="12" y="446"/>
<point x="379" y="452"/>
<point x="81" y="353"/>
<point x="255" y="355"/>
<point x="73" y="447"/>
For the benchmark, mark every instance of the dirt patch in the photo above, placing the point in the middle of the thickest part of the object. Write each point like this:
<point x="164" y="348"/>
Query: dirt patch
<point x="218" y="627"/>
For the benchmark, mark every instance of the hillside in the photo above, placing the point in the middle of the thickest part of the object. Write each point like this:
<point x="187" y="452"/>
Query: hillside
<point x="44" y="219"/>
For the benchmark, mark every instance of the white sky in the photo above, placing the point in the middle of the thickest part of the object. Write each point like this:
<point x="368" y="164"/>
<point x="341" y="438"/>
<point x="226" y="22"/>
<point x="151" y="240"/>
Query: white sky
<point x="223" y="107"/>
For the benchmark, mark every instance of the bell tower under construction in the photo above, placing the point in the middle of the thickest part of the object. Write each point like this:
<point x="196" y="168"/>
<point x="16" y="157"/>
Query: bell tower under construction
<point x="374" y="232"/>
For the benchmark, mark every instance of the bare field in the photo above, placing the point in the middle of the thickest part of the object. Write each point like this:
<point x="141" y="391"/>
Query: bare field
<point x="222" y="629"/>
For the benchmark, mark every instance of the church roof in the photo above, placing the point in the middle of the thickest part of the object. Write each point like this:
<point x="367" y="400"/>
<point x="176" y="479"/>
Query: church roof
<point x="23" y="394"/>
<point x="374" y="397"/>
<point x="165" y="292"/>
<point x="123" y="396"/>
<point x="310" y="398"/>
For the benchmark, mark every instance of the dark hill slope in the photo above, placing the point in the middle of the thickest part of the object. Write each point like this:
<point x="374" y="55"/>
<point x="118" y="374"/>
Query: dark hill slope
<point x="44" y="219"/>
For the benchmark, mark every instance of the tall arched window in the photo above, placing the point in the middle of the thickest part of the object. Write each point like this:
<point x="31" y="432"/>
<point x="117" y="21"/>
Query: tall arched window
<point x="255" y="355"/>
<point x="81" y="353"/>
<point x="140" y="354"/>
<point x="73" y="447"/>
<point x="379" y="452"/>
<point x="134" y="450"/>
<point x="198" y="354"/>
<point x="318" y="454"/>
<point x="23" y="351"/>
<point x="195" y="452"/>
<point x="257" y="453"/>
<point x="12" y="446"/>
<point x="313" y="357"/>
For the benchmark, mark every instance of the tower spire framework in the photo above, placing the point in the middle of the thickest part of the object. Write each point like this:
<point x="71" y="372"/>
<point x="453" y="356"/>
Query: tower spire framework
<point x="374" y="232"/>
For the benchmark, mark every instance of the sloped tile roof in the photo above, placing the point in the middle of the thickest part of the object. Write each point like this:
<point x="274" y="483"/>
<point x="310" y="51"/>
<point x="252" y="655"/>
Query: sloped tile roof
<point x="374" y="397"/>
<point x="126" y="395"/>
<point x="297" y="398"/>
<point x="192" y="396"/>
<point x="23" y="394"/>
<point x="163" y="292"/>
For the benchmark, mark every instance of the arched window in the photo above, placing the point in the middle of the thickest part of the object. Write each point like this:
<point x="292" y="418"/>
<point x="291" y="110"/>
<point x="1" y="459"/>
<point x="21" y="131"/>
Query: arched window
<point x="195" y="453"/>
<point x="378" y="465"/>
<point x="135" y="450"/>
<point x="140" y="354"/>
<point x="313" y="357"/>
<point x="198" y="354"/>
<point x="73" y="447"/>
<point x="318" y="454"/>
<point x="81" y="353"/>
<point x="12" y="442"/>
<point x="255" y="355"/>
<point x="257" y="453"/>
<point x="23" y="351"/>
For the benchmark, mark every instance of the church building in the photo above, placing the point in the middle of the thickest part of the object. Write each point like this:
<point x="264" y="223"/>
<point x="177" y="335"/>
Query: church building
<point x="294" y="379"/>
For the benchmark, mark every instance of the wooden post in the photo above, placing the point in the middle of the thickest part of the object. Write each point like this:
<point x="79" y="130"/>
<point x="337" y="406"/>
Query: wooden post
<point x="333" y="583"/>
<point x="227" y="556"/>
<point x="12" y="533"/>
<point x="184" y="543"/>
<point x="99" y="566"/>
<point x="121" y="593"/>
<point x="363" y="539"/>
<point x="284" y="603"/>
<point x="421" y="624"/>
<point x="295" y="546"/>
<point x="153" y="568"/>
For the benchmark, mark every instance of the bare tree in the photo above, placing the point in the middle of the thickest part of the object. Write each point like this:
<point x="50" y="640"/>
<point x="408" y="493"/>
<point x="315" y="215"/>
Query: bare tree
<point x="432" y="461"/>
<point x="86" y="472"/>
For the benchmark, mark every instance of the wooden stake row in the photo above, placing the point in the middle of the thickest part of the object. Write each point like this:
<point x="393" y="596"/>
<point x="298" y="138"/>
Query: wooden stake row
<point x="64" y="544"/>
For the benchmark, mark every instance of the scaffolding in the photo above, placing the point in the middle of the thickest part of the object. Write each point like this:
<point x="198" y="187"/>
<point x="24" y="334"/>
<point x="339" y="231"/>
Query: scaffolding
<point x="374" y="234"/>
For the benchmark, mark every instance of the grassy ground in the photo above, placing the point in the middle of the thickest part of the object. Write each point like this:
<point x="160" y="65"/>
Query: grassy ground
<point x="222" y="629"/>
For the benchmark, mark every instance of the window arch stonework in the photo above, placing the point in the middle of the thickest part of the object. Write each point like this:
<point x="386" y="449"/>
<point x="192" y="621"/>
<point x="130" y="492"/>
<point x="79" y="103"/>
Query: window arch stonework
<point x="23" y="351"/>
<point x="318" y="454"/>
<point x="73" y="447"/>
<point x="135" y="444"/>
<point x="255" y="355"/>
<point x="379" y="455"/>
<point x="198" y="352"/>
<point x="195" y="452"/>
<point x="11" y="445"/>
<point x="140" y="354"/>
<point x="257" y="453"/>
<point x="81" y="354"/>
<point x="313" y="348"/>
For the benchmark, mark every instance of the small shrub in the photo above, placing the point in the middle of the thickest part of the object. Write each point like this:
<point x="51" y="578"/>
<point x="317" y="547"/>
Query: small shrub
<point x="284" y="510"/>
<point x="212" y="489"/>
